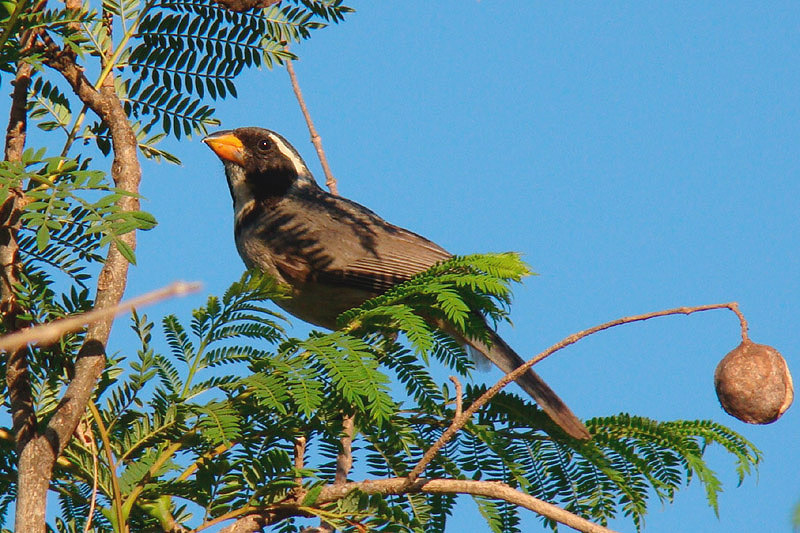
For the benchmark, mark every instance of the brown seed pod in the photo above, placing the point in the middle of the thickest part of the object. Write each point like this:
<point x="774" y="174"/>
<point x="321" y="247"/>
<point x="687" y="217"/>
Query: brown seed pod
<point x="753" y="383"/>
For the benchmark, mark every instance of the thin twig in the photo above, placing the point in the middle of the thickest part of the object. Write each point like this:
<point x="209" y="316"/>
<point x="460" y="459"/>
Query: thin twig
<point x="344" y="462"/>
<point x="459" y="395"/>
<point x="460" y="421"/>
<point x="44" y="334"/>
<point x="316" y="140"/>
<point x="299" y="458"/>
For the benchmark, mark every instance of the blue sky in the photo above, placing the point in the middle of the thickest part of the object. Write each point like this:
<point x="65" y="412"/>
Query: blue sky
<point x="641" y="157"/>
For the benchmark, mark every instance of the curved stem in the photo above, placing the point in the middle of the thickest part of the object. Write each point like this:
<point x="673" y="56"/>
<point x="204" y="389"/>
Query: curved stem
<point x="460" y="421"/>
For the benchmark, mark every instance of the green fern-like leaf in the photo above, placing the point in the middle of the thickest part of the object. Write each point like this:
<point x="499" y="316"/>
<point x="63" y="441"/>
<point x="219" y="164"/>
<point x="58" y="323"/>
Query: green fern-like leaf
<point x="353" y="370"/>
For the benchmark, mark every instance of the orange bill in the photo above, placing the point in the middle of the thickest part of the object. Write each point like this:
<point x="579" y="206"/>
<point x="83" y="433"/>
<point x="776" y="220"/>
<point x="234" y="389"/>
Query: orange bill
<point x="227" y="146"/>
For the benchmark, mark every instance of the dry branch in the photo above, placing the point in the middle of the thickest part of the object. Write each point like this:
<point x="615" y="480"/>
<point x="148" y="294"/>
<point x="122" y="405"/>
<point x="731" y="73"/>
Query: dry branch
<point x="316" y="140"/>
<point x="45" y="334"/>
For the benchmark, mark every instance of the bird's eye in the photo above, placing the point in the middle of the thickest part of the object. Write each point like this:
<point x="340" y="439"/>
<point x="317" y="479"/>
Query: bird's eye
<point x="264" y="144"/>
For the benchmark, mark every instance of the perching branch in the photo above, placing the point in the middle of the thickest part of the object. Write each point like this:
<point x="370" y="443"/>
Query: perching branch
<point x="460" y="421"/>
<point x="45" y="334"/>
<point x="316" y="140"/>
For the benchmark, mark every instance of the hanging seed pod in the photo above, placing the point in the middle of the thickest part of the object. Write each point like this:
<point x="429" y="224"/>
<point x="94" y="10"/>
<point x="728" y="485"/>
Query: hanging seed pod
<point x="753" y="383"/>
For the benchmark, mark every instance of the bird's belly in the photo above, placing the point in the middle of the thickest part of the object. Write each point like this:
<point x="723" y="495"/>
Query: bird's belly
<point x="321" y="304"/>
<point x="256" y="254"/>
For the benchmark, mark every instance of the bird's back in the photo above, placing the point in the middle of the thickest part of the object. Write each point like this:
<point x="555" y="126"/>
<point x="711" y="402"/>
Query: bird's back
<point x="333" y="252"/>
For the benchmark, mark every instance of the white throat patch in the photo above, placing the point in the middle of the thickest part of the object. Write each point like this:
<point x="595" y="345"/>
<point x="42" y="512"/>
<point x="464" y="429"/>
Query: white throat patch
<point x="243" y="200"/>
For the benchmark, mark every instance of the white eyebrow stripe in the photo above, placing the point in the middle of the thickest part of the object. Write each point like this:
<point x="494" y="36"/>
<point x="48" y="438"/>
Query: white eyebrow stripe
<point x="299" y="166"/>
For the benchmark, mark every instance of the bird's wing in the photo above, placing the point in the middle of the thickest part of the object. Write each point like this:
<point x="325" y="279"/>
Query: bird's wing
<point x="337" y="241"/>
<point x="394" y="259"/>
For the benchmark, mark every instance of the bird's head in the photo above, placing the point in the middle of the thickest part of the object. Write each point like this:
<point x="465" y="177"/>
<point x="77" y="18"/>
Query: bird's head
<point x="259" y="163"/>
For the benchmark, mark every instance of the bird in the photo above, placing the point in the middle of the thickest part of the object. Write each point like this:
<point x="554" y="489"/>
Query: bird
<point x="333" y="253"/>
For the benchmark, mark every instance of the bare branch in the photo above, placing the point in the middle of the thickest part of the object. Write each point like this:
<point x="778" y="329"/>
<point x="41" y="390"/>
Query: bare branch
<point x="44" y="334"/>
<point x="460" y="421"/>
<point x="316" y="140"/>
<point x="488" y="489"/>
<point x="394" y="486"/>
<point x="344" y="461"/>
<point x="459" y="395"/>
